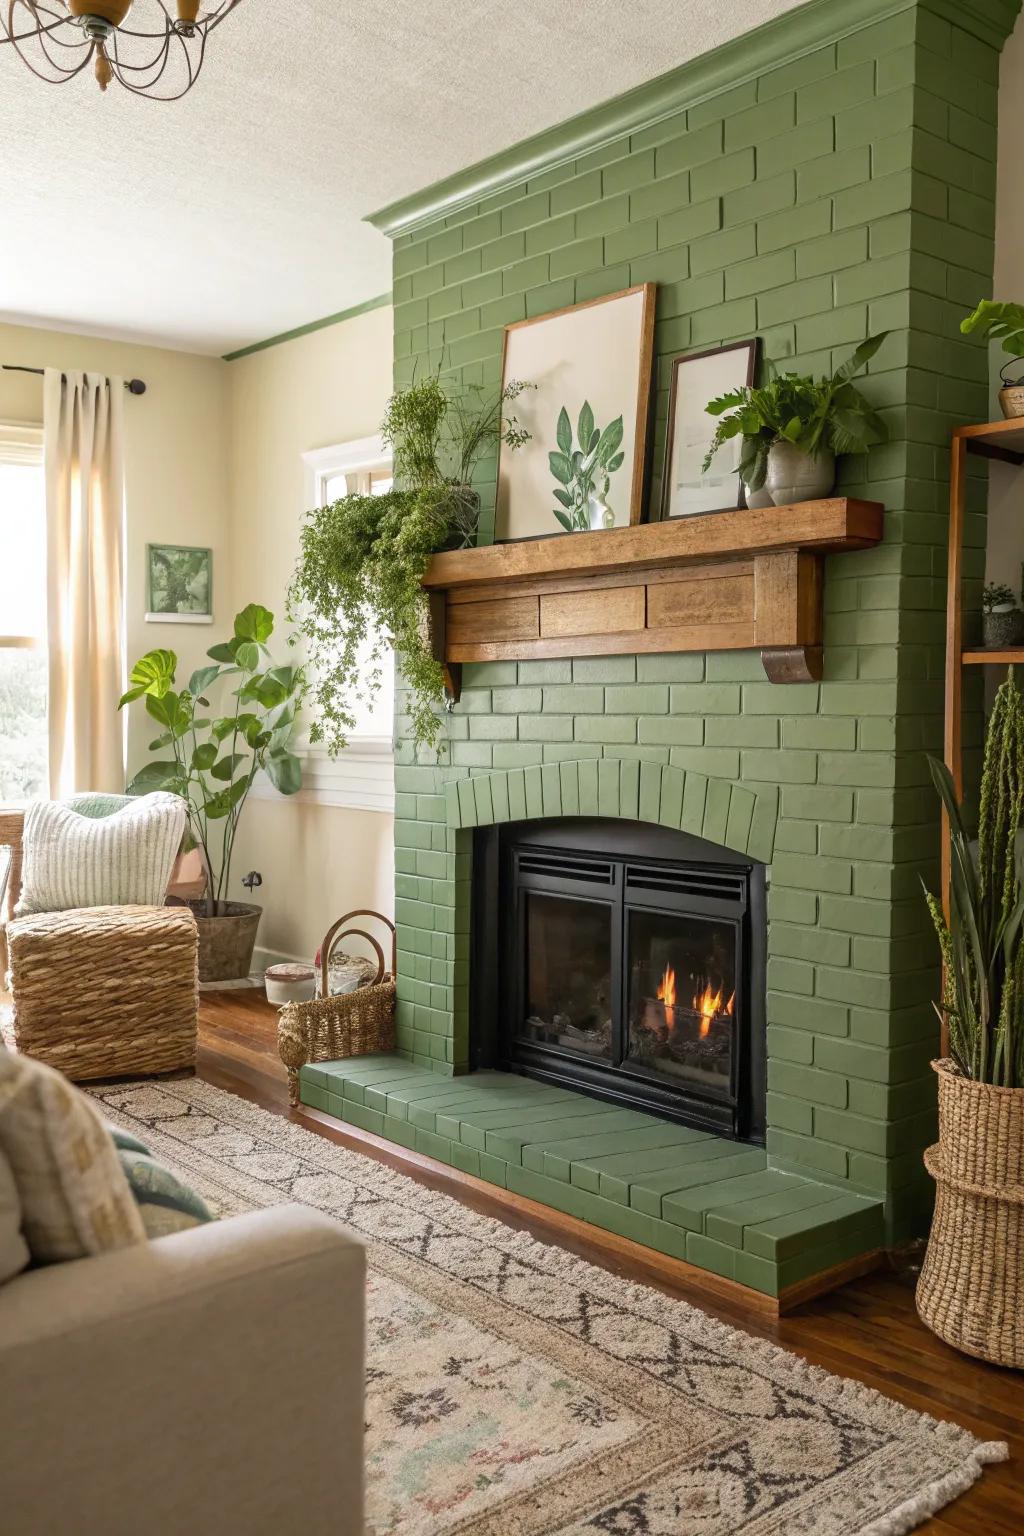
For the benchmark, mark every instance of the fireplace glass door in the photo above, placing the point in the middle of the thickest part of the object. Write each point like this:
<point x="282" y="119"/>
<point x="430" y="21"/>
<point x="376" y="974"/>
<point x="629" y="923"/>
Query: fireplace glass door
<point x="627" y="961"/>
<point x="681" y="1008"/>
<point x="568" y="1001"/>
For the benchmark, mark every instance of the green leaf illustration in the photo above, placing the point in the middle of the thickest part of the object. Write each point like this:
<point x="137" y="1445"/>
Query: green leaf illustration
<point x="560" y="467"/>
<point x="563" y="432"/>
<point x="585" y="427"/>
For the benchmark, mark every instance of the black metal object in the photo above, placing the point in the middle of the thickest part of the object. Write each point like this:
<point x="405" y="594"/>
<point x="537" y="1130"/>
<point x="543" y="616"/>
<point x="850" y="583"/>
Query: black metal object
<point x="626" y="868"/>
<point x="133" y="386"/>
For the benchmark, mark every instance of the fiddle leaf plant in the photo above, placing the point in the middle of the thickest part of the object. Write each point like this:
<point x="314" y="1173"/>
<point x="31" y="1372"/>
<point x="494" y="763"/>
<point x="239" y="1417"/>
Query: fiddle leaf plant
<point x="214" y="757"/>
<point x="1003" y="323"/>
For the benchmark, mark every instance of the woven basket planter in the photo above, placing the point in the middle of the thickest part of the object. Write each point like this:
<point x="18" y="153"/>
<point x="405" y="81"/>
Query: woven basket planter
<point x="971" y="1290"/>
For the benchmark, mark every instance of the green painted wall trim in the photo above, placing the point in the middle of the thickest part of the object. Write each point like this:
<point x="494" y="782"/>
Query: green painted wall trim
<point x="733" y="815"/>
<point x="744" y="58"/>
<point x="379" y="302"/>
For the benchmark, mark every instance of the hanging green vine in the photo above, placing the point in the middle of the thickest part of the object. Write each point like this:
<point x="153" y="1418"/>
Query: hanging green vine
<point x="357" y="582"/>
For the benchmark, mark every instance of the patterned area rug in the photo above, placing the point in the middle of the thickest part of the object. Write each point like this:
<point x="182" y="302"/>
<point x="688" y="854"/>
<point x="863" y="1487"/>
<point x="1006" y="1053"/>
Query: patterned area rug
<point x="514" y="1390"/>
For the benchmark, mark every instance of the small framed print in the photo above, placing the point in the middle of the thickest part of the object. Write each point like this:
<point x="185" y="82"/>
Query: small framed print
<point x="697" y="378"/>
<point x="179" y="584"/>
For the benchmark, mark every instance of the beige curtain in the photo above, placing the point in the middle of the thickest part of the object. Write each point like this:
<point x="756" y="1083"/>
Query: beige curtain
<point x="83" y="450"/>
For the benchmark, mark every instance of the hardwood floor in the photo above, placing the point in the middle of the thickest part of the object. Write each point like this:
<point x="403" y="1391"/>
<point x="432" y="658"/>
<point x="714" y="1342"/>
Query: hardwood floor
<point x="867" y="1330"/>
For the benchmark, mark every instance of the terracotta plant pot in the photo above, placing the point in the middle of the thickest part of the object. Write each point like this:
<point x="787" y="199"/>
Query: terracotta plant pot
<point x="1011" y="400"/>
<point x="1002" y="629"/>
<point x="795" y="476"/>
<point x="971" y="1289"/>
<point x="226" y="942"/>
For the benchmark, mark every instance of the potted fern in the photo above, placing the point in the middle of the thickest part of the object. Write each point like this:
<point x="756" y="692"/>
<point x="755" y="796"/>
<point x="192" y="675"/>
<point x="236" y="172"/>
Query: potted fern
<point x="971" y="1289"/>
<point x="793" y="426"/>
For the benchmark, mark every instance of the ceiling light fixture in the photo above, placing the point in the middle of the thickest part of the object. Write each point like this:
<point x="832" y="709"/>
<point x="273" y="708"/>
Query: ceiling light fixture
<point x="161" y="59"/>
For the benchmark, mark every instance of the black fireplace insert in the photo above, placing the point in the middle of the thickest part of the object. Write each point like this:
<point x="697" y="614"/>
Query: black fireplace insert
<point x="627" y="960"/>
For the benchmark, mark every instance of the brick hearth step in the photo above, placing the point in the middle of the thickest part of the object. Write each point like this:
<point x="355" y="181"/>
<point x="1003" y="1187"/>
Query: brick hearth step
<point x="719" y="1204"/>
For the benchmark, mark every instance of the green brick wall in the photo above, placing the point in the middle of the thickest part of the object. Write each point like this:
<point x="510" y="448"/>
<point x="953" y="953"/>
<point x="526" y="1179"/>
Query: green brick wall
<point x="845" y="192"/>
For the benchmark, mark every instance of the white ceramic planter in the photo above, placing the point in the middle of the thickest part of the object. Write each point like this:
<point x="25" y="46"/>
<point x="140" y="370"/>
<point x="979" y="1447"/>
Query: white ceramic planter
<point x="761" y="498"/>
<point x="797" y="476"/>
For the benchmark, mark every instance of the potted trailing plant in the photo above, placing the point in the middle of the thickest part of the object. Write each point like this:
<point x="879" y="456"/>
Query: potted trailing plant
<point x="1002" y="622"/>
<point x="1005" y="323"/>
<point x="357" y="590"/>
<point x="793" y="426"/>
<point x="211" y="760"/>
<point x="439" y="439"/>
<point x="577" y="470"/>
<point x="971" y="1288"/>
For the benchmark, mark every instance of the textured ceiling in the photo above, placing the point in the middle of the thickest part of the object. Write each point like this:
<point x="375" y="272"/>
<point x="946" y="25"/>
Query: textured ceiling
<point x="236" y="213"/>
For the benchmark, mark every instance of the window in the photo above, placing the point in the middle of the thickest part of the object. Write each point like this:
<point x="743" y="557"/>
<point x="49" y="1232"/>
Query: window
<point x="359" y="468"/>
<point x="363" y="776"/>
<point x="24" y="772"/>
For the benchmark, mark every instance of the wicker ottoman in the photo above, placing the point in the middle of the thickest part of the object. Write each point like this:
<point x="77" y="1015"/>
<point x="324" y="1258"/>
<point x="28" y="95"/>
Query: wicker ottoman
<point x="105" y="991"/>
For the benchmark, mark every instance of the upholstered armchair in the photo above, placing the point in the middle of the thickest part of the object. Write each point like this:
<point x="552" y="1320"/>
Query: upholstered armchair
<point x="97" y="992"/>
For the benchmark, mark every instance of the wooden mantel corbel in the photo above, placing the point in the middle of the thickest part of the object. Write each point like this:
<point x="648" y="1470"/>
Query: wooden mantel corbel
<point x="744" y="580"/>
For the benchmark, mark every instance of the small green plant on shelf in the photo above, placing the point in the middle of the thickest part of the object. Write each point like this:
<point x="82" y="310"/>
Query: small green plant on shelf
<point x="982" y="944"/>
<point x="214" y="756"/>
<point x="816" y="417"/>
<point x="997" y="598"/>
<point x="1003" y="323"/>
<point x="1002" y="622"/>
<point x="357" y="587"/>
<point x="578" y="469"/>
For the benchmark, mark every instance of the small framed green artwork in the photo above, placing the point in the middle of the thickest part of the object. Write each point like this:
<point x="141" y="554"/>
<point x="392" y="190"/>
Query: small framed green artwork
<point x="179" y="584"/>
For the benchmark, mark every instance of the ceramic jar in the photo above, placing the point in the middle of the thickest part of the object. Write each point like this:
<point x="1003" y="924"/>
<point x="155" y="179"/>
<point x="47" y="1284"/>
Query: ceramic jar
<point x="795" y="476"/>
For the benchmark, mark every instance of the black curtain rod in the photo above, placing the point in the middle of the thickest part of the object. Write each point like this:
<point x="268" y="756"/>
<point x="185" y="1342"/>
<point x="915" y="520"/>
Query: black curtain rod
<point x="133" y="386"/>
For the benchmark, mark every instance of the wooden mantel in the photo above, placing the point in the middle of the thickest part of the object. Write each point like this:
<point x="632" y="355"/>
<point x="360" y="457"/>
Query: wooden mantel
<point x="725" y="581"/>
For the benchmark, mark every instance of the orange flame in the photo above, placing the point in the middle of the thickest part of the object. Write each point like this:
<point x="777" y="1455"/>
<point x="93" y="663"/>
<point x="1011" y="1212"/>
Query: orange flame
<point x="709" y="1004"/>
<point x="667" y="992"/>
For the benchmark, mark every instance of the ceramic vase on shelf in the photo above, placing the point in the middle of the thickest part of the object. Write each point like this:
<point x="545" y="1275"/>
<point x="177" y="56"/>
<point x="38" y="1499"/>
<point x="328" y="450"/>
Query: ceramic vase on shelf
<point x="601" y="514"/>
<point x="795" y="476"/>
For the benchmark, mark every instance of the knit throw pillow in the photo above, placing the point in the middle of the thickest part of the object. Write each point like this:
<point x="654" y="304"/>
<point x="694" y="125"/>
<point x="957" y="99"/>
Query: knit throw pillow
<point x="120" y="860"/>
<point x="75" y="1199"/>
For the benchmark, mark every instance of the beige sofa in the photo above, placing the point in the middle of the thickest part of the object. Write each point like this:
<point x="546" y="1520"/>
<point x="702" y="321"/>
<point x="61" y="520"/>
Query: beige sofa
<point x="206" y="1384"/>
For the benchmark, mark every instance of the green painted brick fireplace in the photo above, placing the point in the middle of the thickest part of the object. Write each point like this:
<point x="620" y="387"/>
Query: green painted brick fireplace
<point x="824" y="178"/>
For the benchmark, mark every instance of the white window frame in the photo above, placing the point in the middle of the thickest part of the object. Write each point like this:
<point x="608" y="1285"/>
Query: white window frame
<point x="362" y="777"/>
<point x="21" y="443"/>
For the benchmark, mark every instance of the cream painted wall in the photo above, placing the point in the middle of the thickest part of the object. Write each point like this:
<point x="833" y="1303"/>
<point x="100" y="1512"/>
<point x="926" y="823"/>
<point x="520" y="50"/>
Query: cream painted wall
<point x="176" y="468"/>
<point x="331" y="386"/>
<point x="213" y="457"/>
<point x="1006" y="487"/>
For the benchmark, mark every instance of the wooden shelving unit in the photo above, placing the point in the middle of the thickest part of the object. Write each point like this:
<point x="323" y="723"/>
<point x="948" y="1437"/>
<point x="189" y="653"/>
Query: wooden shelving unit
<point x="1003" y="440"/>
<point x="749" y="579"/>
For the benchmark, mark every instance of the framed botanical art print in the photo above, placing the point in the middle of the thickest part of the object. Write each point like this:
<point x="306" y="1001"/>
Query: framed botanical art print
<point x="697" y="378"/>
<point x="179" y="584"/>
<point x="584" y="464"/>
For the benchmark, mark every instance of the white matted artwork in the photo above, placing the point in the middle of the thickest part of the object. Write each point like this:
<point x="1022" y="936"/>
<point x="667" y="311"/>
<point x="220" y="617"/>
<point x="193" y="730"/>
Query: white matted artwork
<point x="591" y="362"/>
<point x="698" y="378"/>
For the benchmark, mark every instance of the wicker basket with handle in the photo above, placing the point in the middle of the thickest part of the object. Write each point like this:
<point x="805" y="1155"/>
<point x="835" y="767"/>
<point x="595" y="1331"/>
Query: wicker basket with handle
<point x="971" y="1289"/>
<point x="347" y="1024"/>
